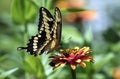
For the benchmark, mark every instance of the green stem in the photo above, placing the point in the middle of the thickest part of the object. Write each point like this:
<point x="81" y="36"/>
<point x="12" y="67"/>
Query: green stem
<point x="27" y="76"/>
<point x="26" y="35"/>
<point x="43" y="3"/>
<point x="73" y="73"/>
<point x="26" y="28"/>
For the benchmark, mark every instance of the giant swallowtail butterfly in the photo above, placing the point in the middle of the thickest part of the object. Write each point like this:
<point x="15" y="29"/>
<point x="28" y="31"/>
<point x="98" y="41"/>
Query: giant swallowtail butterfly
<point x="49" y="33"/>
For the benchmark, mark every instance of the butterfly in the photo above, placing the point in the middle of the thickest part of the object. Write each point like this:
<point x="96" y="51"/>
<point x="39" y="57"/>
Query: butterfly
<point x="49" y="33"/>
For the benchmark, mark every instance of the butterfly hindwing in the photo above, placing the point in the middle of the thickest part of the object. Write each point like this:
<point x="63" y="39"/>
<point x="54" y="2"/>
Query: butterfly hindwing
<point x="58" y="19"/>
<point x="56" y="30"/>
<point x="49" y="33"/>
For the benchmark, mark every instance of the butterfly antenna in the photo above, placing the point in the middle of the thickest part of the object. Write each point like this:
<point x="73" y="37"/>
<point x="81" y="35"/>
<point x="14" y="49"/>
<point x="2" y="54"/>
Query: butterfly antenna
<point x="21" y="48"/>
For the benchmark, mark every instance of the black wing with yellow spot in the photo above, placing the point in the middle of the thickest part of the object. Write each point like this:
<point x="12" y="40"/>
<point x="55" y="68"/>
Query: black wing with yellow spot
<point x="49" y="33"/>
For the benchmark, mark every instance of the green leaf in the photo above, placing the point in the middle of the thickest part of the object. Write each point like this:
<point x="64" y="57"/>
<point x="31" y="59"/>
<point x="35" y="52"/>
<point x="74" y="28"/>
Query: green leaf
<point x="34" y="66"/>
<point x="99" y="76"/>
<point x="100" y="61"/>
<point x="70" y="33"/>
<point x="115" y="47"/>
<point x="23" y="11"/>
<point x="7" y="73"/>
<point x="88" y="34"/>
<point x="36" y="2"/>
<point x="3" y="57"/>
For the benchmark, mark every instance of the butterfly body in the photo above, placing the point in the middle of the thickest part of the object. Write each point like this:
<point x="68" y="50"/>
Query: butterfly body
<point x="49" y="33"/>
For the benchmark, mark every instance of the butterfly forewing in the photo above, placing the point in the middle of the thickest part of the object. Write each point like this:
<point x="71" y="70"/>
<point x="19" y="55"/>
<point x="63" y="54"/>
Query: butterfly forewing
<point x="45" y="20"/>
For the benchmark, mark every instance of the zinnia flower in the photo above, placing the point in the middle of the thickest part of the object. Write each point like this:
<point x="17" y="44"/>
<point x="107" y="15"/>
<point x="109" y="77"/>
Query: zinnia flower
<point x="72" y="56"/>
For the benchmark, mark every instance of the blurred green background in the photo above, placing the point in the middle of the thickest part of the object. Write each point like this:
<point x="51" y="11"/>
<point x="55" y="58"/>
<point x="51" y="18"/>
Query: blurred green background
<point x="19" y="20"/>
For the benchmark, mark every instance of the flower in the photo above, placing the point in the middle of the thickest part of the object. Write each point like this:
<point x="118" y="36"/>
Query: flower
<point x="67" y="4"/>
<point x="87" y="15"/>
<point x="72" y="56"/>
